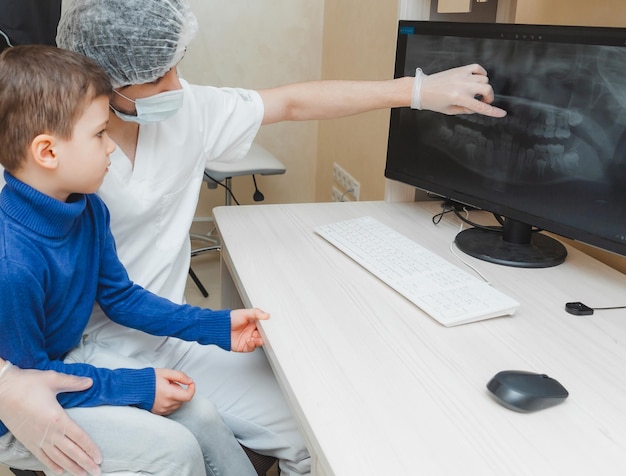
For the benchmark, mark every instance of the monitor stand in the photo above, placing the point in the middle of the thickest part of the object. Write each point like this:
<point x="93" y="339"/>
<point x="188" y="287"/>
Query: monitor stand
<point x="515" y="245"/>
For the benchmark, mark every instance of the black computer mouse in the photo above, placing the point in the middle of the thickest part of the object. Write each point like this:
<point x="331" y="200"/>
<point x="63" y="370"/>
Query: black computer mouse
<point x="526" y="391"/>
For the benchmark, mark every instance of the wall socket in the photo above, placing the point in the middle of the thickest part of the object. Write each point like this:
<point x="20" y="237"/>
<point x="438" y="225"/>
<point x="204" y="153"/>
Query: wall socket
<point x="337" y="195"/>
<point x="346" y="181"/>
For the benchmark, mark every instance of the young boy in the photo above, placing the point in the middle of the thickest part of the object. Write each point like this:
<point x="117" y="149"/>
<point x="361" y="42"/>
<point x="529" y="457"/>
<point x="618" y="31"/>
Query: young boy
<point x="57" y="258"/>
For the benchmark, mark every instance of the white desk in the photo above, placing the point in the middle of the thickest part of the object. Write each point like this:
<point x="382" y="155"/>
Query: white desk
<point x="382" y="389"/>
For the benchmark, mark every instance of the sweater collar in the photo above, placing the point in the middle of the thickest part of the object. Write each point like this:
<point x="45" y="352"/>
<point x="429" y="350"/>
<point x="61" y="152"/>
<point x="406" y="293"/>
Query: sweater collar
<point x="38" y="212"/>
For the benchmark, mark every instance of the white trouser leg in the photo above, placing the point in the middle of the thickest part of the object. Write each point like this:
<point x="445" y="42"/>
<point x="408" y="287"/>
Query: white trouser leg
<point x="222" y="453"/>
<point x="246" y="393"/>
<point x="242" y="387"/>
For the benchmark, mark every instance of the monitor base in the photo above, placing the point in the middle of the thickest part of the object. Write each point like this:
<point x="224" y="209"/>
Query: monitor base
<point x="542" y="251"/>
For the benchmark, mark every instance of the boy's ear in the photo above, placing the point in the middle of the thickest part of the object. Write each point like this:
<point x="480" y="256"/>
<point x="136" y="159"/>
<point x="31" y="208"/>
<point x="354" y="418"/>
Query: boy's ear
<point x="42" y="151"/>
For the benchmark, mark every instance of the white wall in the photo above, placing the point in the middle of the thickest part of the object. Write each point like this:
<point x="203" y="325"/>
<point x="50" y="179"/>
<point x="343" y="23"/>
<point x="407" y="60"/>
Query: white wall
<point x="260" y="44"/>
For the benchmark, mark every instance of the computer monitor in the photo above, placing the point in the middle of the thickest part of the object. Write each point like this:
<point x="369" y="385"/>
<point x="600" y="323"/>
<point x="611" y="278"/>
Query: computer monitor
<point x="556" y="162"/>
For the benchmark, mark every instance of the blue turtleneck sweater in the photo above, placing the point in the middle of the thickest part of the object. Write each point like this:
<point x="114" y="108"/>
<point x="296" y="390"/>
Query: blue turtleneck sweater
<point x="56" y="260"/>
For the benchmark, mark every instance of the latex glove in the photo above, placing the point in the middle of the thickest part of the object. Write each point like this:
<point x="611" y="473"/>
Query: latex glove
<point x="31" y="412"/>
<point x="462" y="90"/>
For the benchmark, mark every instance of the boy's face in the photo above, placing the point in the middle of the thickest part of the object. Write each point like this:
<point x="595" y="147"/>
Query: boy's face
<point x="84" y="159"/>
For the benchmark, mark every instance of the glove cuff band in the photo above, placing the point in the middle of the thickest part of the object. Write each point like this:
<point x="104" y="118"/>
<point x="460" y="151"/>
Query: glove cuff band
<point x="5" y="367"/>
<point x="416" y="99"/>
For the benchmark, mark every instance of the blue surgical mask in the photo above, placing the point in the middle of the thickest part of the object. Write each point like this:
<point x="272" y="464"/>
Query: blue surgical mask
<point x="155" y="108"/>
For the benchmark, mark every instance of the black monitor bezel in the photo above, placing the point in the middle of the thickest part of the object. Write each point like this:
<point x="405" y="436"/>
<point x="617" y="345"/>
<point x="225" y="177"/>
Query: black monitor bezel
<point x="523" y="32"/>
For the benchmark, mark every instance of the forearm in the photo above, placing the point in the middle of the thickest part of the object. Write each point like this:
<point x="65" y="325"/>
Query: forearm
<point x="133" y="306"/>
<point x="158" y="316"/>
<point x="332" y="99"/>
<point x="118" y="387"/>
<point x="462" y="90"/>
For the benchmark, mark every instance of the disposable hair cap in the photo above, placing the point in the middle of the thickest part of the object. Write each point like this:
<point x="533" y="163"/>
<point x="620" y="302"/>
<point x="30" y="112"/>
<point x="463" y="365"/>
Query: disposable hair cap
<point x="135" y="41"/>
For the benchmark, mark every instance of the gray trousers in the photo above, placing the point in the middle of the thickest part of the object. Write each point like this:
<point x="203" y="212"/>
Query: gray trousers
<point x="242" y="386"/>
<point x="236" y="394"/>
<point x="194" y="440"/>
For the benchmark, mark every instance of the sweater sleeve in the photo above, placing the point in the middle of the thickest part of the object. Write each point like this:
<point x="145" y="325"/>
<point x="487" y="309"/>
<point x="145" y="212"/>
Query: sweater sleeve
<point x="133" y="306"/>
<point x="23" y="342"/>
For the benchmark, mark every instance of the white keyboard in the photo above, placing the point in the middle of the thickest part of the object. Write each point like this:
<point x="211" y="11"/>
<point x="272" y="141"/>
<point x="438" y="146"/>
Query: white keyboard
<point x="444" y="291"/>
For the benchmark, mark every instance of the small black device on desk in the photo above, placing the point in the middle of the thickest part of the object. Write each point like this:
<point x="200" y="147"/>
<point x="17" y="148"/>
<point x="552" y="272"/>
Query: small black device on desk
<point x="580" y="309"/>
<point x="526" y="391"/>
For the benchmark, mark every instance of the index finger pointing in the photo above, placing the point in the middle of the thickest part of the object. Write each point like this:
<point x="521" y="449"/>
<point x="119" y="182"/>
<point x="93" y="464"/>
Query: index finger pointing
<point x="485" y="109"/>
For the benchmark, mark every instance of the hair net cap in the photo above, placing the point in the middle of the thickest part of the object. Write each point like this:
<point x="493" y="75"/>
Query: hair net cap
<point x="135" y="41"/>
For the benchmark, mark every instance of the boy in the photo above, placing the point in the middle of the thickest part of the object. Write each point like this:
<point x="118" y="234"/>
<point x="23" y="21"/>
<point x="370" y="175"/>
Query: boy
<point x="57" y="258"/>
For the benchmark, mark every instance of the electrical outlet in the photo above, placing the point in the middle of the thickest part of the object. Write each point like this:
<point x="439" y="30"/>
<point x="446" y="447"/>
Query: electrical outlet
<point x="346" y="181"/>
<point x="339" y="196"/>
<point x="336" y="194"/>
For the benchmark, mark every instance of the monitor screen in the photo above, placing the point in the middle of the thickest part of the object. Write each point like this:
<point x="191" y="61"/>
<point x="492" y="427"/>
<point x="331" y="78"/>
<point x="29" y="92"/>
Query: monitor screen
<point x="556" y="162"/>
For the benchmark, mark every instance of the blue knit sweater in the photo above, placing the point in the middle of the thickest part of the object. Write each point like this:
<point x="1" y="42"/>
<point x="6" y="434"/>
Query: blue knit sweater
<point x="56" y="260"/>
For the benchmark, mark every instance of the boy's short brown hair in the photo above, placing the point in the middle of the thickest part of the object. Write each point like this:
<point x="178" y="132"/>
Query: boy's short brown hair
<point x="43" y="90"/>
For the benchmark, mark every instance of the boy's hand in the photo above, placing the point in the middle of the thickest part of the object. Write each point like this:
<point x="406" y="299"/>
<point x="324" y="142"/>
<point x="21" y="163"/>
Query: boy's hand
<point x="245" y="337"/>
<point x="173" y="388"/>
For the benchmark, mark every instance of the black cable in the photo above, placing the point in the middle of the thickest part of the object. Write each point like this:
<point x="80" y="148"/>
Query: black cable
<point x="476" y="225"/>
<point x="439" y="216"/>
<point x="498" y="229"/>
<point x="580" y="309"/>
<point x="449" y="206"/>
<point x="258" y="196"/>
<point x="446" y="207"/>
<point x="230" y="192"/>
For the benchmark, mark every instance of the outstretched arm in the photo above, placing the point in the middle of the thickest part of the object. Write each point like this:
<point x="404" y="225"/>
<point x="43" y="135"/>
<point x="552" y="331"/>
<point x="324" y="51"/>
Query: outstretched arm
<point x="29" y="409"/>
<point x="463" y="90"/>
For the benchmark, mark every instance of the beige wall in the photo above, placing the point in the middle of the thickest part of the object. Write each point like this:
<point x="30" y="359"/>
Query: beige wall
<point x="359" y="43"/>
<point x="258" y="45"/>
<point x="572" y="12"/>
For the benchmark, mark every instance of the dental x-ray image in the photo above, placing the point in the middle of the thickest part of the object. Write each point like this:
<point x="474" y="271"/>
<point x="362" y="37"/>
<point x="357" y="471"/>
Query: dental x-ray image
<point x="557" y="160"/>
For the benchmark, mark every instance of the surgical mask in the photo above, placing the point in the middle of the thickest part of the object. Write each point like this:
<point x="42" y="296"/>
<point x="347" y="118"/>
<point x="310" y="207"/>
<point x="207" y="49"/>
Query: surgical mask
<point x="155" y="108"/>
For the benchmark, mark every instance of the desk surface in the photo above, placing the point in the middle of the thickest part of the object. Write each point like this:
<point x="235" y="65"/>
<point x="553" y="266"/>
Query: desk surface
<point x="380" y="388"/>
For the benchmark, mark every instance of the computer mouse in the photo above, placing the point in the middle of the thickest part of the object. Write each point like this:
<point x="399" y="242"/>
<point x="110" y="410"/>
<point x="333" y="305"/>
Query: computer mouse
<point x="526" y="391"/>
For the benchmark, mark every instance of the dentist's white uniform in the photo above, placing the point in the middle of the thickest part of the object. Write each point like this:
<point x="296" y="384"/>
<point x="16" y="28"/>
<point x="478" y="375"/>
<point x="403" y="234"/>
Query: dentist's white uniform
<point x="152" y="206"/>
